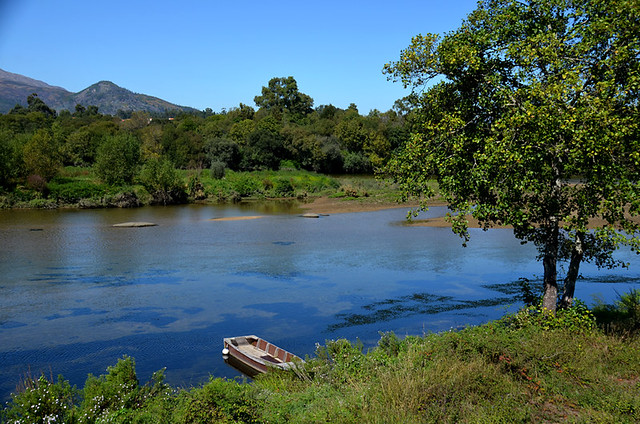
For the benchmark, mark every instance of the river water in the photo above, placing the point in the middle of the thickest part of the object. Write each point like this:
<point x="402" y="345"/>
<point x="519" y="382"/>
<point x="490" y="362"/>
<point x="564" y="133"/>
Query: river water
<point x="76" y="293"/>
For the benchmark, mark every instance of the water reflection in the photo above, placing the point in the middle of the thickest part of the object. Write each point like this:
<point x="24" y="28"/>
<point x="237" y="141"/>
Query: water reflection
<point x="80" y="293"/>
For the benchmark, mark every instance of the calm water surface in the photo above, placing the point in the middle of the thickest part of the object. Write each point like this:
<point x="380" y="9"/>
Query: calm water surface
<point x="76" y="293"/>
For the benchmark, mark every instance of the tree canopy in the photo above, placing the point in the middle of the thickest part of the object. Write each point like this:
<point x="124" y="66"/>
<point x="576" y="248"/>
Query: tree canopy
<point x="527" y="116"/>
<point x="282" y="95"/>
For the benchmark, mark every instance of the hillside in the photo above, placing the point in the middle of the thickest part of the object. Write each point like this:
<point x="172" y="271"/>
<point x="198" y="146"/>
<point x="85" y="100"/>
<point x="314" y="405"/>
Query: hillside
<point x="109" y="97"/>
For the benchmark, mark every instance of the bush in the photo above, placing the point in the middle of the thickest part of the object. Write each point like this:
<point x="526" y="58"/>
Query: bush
<point x="117" y="159"/>
<point x="218" y="170"/>
<point x="162" y="181"/>
<point x="245" y="184"/>
<point x="282" y="187"/>
<point x="73" y="192"/>
<point x="623" y="317"/>
<point x="112" y="392"/>
<point x="577" y="318"/>
<point x="356" y="163"/>
<point x="217" y="401"/>
<point x="37" y="183"/>
<point x="41" y="155"/>
<point x="42" y="401"/>
<point x="196" y="188"/>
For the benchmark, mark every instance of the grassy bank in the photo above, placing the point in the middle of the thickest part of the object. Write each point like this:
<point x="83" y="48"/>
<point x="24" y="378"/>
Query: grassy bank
<point x="525" y="367"/>
<point x="80" y="187"/>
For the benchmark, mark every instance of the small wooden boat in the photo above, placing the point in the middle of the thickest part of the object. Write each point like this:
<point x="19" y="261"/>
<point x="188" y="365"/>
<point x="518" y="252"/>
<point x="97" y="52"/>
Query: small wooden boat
<point x="253" y="355"/>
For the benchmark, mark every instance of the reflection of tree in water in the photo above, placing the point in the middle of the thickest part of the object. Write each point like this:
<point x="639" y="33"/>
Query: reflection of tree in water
<point x="425" y="303"/>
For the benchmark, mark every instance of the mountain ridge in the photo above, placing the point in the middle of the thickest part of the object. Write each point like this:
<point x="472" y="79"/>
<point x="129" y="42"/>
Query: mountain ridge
<point x="108" y="96"/>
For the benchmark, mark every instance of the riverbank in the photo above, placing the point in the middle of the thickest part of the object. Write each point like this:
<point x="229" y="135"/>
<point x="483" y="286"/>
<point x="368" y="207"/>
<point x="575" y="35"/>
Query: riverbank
<point x="526" y="367"/>
<point x="328" y="205"/>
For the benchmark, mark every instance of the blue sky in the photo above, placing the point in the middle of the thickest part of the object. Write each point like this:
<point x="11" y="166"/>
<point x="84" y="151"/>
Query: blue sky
<point x="219" y="54"/>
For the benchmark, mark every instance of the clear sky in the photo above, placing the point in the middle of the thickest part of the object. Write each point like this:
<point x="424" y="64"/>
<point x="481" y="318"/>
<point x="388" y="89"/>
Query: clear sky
<point x="217" y="54"/>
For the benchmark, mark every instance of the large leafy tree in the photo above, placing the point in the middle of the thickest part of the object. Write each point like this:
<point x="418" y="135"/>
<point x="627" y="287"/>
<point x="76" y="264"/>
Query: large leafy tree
<point x="117" y="159"/>
<point x="41" y="155"/>
<point x="530" y="119"/>
<point x="282" y="95"/>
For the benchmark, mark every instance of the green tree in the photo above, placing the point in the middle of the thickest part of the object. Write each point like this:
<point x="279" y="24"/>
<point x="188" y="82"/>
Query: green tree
<point x="8" y="158"/>
<point x="282" y="95"/>
<point x="117" y="158"/>
<point x="224" y="150"/>
<point x="532" y="122"/>
<point x="160" y="178"/>
<point x="35" y="104"/>
<point x="42" y="156"/>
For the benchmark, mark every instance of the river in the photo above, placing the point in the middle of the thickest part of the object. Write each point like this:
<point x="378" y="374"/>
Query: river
<point x="78" y="293"/>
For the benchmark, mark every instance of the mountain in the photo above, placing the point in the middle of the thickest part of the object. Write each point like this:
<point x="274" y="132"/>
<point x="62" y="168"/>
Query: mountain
<point x="109" y="97"/>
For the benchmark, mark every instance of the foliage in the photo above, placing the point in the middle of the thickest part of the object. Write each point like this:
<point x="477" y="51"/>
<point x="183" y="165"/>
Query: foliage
<point x="218" y="170"/>
<point x="41" y="155"/>
<point x="74" y="191"/>
<point x="115" y="391"/>
<point x="117" y="159"/>
<point x="282" y="187"/>
<point x="35" y="104"/>
<point x="356" y="163"/>
<point x="217" y="401"/>
<point x="195" y="188"/>
<point x="244" y="184"/>
<point x="577" y="318"/>
<point x="43" y="401"/>
<point x="623" y="317"/>
<point x="286" y="130"/>
<point x="535" y="96"/>
<point x="160" y="178"/>
<point x="282" y="95"/>
<point x="8" y="158"/>
<point x="223" y="150"/>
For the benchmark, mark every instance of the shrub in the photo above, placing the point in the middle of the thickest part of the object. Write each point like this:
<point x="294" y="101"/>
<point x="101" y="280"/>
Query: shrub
<point x="117" y="159"/>
<point x="282" y="187"/>
<point x="245" y="185"/>
<point x="196" y="188"/>
<point x="162" y="181"/>
<point x="41" y="155"/>
<point x="42" y="401"/>
<point x="37" y="183"/>
<point x="10" y="158"/>
<point x="289" y="165"/>
<point x="112" y="392"/>
<point x="217" y="401"/>
<point x="623" y="317"/>
<point x="356" y="163"/>
<point x="577" y="318"/>
<point x="73" y="192"/>
<point x="218" y="170"/>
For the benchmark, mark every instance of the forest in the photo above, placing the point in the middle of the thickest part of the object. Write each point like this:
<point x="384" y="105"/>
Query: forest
<point x="285" y="130"/>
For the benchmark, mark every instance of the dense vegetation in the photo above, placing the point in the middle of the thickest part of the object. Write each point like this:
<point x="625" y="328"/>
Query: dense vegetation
<point x="526" y="367"/>
<point x="36" y="144"/>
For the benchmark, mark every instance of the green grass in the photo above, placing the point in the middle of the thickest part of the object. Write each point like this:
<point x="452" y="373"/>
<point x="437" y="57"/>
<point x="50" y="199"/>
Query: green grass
<point x="526" y="367"/>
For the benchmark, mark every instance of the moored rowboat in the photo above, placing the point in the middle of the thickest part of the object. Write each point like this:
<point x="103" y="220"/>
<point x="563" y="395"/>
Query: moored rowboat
<point x="256" y="355"/>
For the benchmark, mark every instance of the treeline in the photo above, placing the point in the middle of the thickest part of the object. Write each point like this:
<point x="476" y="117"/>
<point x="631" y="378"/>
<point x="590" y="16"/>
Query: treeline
<point x="36" y="142"/>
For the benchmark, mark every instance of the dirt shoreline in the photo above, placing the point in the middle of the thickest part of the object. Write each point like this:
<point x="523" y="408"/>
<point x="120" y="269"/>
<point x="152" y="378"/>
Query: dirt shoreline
<point x="325" y="205"/>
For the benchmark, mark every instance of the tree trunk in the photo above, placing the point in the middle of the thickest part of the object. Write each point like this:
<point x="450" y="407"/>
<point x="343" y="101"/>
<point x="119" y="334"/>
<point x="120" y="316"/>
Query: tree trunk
<point x="549" y="261"/>
<point x="572" y="274"/>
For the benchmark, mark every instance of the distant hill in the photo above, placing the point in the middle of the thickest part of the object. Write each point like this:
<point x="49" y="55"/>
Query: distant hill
<point x="110" y="98"/>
